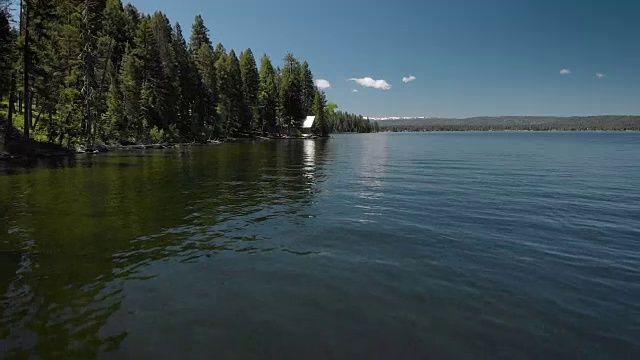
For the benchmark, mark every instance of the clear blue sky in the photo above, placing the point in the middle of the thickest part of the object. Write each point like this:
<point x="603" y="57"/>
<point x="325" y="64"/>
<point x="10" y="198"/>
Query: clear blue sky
<point x="469" y="57"/>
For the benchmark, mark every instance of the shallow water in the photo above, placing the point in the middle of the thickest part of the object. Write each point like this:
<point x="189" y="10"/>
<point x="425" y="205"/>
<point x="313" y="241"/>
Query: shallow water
<point x="438" y="245"/>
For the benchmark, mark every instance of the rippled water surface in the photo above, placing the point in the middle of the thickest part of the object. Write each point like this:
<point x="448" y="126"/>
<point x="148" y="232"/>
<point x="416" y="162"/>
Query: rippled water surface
<point x="385" y="246"/>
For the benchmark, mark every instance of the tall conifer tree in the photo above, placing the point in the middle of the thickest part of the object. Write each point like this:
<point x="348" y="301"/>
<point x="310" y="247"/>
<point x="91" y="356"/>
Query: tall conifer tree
<point x="250" y="89"/>
<point x="268" y="96"/>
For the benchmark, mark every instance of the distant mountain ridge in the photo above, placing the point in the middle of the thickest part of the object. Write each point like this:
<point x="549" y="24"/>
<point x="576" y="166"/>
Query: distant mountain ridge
<point x="498" y="123"/>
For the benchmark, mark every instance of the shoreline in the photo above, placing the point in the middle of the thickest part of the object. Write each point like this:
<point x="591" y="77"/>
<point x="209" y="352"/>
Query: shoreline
<point x="33" y="150"/>
<point x="510" y="130"/>
<point x="20" y="150"/>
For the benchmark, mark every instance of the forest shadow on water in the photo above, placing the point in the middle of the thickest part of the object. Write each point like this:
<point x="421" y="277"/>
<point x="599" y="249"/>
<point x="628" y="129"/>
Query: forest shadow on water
<point x="74" y="231"/>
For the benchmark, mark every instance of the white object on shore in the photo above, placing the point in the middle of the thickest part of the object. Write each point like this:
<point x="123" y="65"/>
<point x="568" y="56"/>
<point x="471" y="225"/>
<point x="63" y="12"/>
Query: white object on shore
<point x="308" y="122"/>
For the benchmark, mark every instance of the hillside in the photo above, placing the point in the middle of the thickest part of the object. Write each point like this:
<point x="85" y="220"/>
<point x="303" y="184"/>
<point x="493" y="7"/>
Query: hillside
<point x="534" y="123"/>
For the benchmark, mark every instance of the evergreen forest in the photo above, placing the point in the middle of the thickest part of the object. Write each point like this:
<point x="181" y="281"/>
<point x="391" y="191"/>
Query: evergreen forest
<point x="76" y="73"/>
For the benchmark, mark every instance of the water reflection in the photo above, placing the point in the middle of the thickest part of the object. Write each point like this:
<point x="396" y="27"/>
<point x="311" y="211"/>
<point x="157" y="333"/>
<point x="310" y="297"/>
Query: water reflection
<point x="73" y="233"/>
<point x="372" y="167"/>
<point x="18" y="165"/>
<point x="309" y="154"/>
<point x="373" y="161"/>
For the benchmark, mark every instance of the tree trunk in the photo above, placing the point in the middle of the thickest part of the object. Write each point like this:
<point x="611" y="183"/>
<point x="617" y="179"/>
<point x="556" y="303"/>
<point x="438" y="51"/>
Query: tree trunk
<point x="12" y="99"/>
<point x="89" y="67"/>
<point x="27" y="59"/>
<point x="50" y="128"/>
<point x="42" y="109"/>
<point x="12" y="94"/>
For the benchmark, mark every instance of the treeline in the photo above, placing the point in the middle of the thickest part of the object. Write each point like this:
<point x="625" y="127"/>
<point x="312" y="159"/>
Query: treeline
<point x="344" y="122"/>
<point x="78" y="72"/>
<point x="516" y="123"/>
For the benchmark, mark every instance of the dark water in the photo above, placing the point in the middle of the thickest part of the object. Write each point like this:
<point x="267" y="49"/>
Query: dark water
<point x="386" y="246"/>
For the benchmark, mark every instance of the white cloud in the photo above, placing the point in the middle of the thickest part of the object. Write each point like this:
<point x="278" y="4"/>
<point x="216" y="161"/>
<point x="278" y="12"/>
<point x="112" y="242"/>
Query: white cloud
<point x="370" y="82"/>
<point x="408" y="79"/>
<point x="354" y="90"/>
<point x="600" y="75"/>
<point x="565" y="72"/>
<point x="323" y="84"/>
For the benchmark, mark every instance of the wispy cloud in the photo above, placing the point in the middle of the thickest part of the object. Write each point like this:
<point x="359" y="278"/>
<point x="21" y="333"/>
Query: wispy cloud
<point x="565" y="72"/>
<point x="408" y="79"/>
<point x="372" y="83"/>
<point x="600" y="75"/>
<point x="323" y="84"/>
<point x="355" y="90"/>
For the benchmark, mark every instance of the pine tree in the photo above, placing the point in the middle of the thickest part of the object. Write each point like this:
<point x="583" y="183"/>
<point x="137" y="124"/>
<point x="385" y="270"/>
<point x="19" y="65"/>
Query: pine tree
<point x="166" y="82"/>
<point x="205" y="62"/>
<point x="235" y="93"/>
<point x="308" y="89"/>
<point x="95" y="70"/>
<point x="114" y="114"/>
<point x="35" y="28"/>
<point x="6" y="49"/>
<point x="224" y="107"/>
<point x="250" y="89"/>
<point x="7" y="58"/>
<point x="219" y="51"/>
<point x="291" y="94"/>
<point x="110" y="49"/>
<point x="91" y="22"/>
<point x="187" y="84"/>
<point x="321" y="125"/>
<point x="230" y="92"/>
<point x="132" y="20"/>
<point x="67" y="82"/>
<point x="155" y="87"/>
<point x="113" y="38"/>
<point x="199" y="35"/>
<point x="268" y="96"/>
<point x="130" y="86"/>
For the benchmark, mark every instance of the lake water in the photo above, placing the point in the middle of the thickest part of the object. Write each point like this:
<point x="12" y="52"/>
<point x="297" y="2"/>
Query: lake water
<point x="379" y="246"/>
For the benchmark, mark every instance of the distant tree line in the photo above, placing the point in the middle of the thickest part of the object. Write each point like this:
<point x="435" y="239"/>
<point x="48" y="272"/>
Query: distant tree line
<point x="78" y="72"/>
<point x="344" y="122"/>
<point x="522" y="123"/>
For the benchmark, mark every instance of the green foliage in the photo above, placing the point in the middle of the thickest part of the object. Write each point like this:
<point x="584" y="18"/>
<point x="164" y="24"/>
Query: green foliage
<point x="186" y="87"/>
<point x="250" y="91"/>
<point x="309" y="90"/>
<point x="268" y="96"/>
<point x="130" y="87"/>
<point x="344" y="122"/>
<point x="6" y="50"/>
<point x="165" y="80"/>
<point x="231" y="99"/>
<point x="199" y="35"/>
<point x="206" y="65"/>
<point x="157" y="135"/>
<point x="113" y="39"/>
<point x="321" y="125"/>
<point x="113" y="115"/>
<point x="291" y="94"/>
